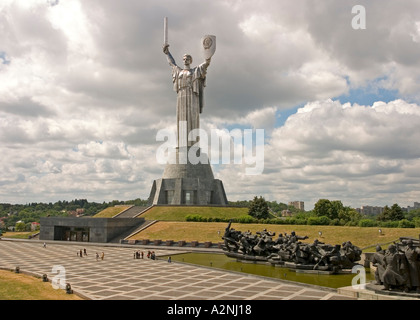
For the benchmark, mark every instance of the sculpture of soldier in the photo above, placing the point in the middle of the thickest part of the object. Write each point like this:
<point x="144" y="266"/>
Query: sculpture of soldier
<point x="378" y="262"/>
<point x="245" y="247"/>
<point x="327" y="258"/>
<point x="293" y="238"/>
<point x="280" y="239"/>
<point x="350" y="254"/>
<point x="392" y="277"/>
<point x="231" y="238"/>
<point x="335" y="258"/>
<point x="314" y="252"/>
<point x="289" y="248"/>
<point x="265" y="233"/>
<point x="301" y="253"/>
<point x="412" y="255"/>
<point x="260" y="248"/>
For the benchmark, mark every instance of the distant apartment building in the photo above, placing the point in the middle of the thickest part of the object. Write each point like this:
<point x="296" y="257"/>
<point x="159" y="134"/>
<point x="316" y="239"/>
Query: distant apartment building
<point x="298" y="205"/>
<point x="416" y="206"/>
<point x="370" y="210"/>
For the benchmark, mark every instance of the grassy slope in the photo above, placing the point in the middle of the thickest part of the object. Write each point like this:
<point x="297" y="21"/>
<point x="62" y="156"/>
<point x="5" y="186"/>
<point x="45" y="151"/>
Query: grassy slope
<point x="24" y="287"/>
<point x="110" y="212"/>
<point x="209" y="231"/>
<point x="172" y="226"/>
<point x="179" y="213"/>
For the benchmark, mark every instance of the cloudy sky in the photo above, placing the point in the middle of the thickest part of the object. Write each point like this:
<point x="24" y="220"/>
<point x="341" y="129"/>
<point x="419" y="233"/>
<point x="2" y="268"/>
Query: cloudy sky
<point x="85" y="87"/>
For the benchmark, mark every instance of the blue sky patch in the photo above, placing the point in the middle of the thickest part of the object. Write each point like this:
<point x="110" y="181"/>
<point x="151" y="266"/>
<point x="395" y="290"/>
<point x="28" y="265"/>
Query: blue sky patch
<point x="3" y="58"/>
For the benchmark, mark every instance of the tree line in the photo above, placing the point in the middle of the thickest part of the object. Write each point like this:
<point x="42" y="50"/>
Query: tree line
<point x="10" y="214"/>
<point x="325" y="212"/>
<point x="328" y="212"/>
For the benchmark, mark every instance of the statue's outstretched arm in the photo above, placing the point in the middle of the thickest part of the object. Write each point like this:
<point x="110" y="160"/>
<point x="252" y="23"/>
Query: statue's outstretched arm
<point x="207" y="63"/>
<point x="171" y="60"/>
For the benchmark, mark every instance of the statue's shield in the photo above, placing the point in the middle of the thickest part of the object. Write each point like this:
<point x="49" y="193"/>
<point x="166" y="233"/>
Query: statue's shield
<point x="209" y="46"/>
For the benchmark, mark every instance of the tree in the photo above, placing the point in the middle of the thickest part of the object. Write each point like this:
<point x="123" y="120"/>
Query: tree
<point x="327" y="208"/>
<point x="394" y="213"/>
<point x="350" y="215"/>
<point x="413" y="214"/>
<point x="20" y="226"/>
<point x="322" y="207"/>
<point x="335" y="210"/>
<point x="258" y="208"/>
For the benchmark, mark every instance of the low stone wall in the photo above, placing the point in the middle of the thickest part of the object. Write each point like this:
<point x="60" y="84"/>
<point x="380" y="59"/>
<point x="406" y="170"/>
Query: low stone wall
<point x="172" y="243"/>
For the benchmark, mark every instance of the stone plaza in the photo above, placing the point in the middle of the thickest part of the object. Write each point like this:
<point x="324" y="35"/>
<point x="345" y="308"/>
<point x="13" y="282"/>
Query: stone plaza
<point x="121" y="277"/>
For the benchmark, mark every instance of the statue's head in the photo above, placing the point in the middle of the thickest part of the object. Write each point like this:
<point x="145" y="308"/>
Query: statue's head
<point x="187" y="59"/>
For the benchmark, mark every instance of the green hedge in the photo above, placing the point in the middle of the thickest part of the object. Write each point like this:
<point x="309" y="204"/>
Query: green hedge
<point x="367" y="223"/>
<point x="315" y="221"/>
<point x="404" y="223"/>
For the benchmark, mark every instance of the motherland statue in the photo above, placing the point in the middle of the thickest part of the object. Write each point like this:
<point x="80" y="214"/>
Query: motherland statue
<point x="188" y="177"/>
<point x="189" y="83"/>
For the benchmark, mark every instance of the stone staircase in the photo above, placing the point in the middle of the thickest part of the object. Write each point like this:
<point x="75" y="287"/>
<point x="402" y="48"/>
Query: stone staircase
<point x="131" y="212"/>
<point x="143" y="224"/>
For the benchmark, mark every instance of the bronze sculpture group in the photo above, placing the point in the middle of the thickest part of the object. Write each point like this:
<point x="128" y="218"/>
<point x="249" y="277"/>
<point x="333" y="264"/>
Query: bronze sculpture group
<point x="398" y="267"/>
<point x="289" y="250"/>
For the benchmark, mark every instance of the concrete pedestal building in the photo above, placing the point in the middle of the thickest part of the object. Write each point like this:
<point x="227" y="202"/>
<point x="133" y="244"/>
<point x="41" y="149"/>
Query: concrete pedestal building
<point x="185" y="183"/>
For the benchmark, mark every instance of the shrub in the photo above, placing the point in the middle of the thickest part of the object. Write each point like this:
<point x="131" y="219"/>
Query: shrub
<point x="404" y="223"/>
<point x="335" y="222"/>
<point x="312" y="221"/>
<point x="367" y="223"/>
<point x="322" y="220"/>
<point x="246" y="219"/>
<point x="194" y="217"/>
<point x="284" y="221"/>
<point x="299" y="221"/>
<point x="389" y="224"/>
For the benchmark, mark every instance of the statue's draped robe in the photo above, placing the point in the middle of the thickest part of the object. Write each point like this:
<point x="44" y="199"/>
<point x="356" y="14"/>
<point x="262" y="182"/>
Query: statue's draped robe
<point x="189" y="85"/>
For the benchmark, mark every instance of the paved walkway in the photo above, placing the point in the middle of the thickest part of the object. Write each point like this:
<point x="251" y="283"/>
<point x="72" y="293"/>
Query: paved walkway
<point x="121" y="277"/>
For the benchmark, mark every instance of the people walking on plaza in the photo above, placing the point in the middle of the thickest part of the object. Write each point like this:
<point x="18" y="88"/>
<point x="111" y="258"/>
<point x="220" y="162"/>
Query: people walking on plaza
<point x="85" y="252"/>
<point x="102" y="256"/>
<point x="97" y="256"/>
